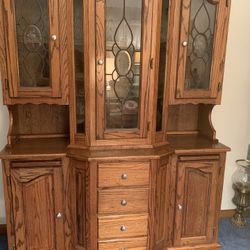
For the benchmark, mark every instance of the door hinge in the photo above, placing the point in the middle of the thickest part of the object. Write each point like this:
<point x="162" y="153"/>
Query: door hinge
<point x="152" y="63"/>
<point x="227" y="3"/>
<point x="6" y="84"/>
<point x="219" y="86"/>
<point x="8" y="180"/>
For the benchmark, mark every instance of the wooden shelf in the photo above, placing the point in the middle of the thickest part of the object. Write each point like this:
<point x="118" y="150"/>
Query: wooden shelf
<point x="45" y="148"/>
<point x="192" y="144"/>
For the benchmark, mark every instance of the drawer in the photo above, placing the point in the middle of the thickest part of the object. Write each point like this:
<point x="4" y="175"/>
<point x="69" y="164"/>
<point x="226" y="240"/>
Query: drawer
<point x="123" y="174"/>
<point x="111" y="227"/>
<point x="128" y="244"/>
<point x="123" y="201"/>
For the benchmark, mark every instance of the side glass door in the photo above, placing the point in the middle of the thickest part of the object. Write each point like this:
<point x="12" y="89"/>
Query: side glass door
<point x="201" y="33"/>
<point x="33" y="48"/>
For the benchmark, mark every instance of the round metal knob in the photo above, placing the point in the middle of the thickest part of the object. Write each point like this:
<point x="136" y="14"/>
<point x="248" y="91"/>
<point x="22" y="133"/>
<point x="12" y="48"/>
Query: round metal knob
<point x="53" y="37"/>
<point x="124" y="202"/>
<point x="124" y="176"/>
<point x="179" y="206"/>
<point x="100" y="62"/>
<point x="185" y="44"/>
<point x="59" y="215"/>
<point x="123" y="228"/>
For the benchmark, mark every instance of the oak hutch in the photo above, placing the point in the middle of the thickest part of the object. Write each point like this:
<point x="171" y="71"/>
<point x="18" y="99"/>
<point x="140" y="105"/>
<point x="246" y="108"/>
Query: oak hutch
<point x="110" y="143"/>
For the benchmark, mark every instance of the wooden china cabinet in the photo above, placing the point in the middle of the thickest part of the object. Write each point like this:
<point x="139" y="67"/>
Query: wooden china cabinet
<point x="110" y="143"/>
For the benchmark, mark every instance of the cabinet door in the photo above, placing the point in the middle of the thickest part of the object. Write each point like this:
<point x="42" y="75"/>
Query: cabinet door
<point x="33" y="48"/>
<point x="37" y="208"/>
<point x="203" y="33"/>
<point x="123" y="41"/>
<point x="195" y="202"/>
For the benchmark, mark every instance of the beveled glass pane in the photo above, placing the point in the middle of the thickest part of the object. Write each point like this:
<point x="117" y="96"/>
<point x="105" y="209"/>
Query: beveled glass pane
<point x="162" y="64"/>
<point x="79" y="65"/>
<point x="200" y="44"/>
<point x="123" y="62"/>
<point x="32" y="31"/>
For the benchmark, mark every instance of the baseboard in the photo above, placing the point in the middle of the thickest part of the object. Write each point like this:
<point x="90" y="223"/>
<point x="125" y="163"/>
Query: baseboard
<point x="3" y="229"/>
<point x="228" y="213"/>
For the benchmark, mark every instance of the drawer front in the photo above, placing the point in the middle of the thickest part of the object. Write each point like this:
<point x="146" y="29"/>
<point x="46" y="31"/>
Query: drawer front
<point x="122" y="226"/>
<point x="123" y="174"/>
<point x="123" y="201"/>
<point x="128" y="244"/>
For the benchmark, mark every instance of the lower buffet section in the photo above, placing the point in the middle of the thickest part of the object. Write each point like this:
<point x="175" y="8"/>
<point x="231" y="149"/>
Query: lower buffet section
<point x="158" y="202"/>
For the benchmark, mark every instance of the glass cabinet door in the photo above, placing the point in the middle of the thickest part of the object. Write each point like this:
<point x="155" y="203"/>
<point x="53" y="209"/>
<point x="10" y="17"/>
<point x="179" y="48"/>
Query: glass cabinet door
<point x="78" y="72"/>
<point x="121" y="66"/>
<point x="33" y="48"/>
<point x="200" y="41"/>
<point x="162" y="73"/>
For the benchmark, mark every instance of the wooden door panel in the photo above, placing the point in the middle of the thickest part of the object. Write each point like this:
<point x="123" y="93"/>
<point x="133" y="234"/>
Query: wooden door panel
<point x="37" y="198"/>
<point x="195" y="202"/>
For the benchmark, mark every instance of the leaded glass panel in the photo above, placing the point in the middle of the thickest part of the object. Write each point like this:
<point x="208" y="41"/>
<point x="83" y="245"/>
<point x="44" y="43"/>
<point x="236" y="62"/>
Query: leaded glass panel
<point x="123" y="62"/>
<point x="32" y="31"/>
<point x="200" y="44"/>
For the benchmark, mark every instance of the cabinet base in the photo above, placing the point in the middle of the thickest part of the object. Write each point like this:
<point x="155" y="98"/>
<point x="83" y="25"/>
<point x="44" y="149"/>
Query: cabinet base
<point x="213" y="246"/>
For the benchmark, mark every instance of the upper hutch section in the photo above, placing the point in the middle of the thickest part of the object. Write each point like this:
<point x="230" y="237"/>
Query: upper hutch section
<point x="125" y="63"/>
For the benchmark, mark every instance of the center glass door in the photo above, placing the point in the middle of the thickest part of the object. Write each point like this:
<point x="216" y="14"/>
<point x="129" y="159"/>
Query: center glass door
<point x="123" y="33"/>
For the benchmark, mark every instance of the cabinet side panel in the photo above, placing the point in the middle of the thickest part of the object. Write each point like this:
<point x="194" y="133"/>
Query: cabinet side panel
<point x="164" y="211"/>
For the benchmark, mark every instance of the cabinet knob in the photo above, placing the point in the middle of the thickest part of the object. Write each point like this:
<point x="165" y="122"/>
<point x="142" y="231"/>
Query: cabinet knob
<point x="59" y="215"/>
<point x="53" y="37"/>
<point x="185" y="44"/>
<point x="124" y="176"/>
<point x="100" y="62"/>
<point x="180" y="207"/>
<point x="123" y="228"/>
<point x="124" y="202"/>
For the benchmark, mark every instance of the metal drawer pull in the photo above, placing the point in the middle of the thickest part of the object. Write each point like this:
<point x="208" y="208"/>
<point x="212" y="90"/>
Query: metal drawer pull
<point x="124" y="202"/>
<point x="123" y="228"/>
<point x="180" y="207"/>
<point x="124" y="176"/>
<point x="59" y="215"/>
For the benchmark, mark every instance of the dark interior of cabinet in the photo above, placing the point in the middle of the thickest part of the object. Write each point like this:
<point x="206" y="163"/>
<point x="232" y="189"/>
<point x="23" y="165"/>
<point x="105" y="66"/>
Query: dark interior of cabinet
<point x="39" y="121"/>
<point x="190" y="119"/>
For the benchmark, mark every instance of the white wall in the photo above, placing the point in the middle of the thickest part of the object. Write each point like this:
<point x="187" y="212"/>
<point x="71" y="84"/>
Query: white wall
<point x="231" y="119"/>
<point x="4" y="119"/>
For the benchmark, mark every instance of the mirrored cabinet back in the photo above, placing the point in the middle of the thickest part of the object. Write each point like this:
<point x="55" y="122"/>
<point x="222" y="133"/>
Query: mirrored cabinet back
<point x="110" y="142"/>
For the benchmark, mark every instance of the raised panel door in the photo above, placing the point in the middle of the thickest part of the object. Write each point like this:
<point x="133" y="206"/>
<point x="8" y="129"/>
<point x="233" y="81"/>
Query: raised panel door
<point x="195" y="202"/>
<point x="37" y="208"/>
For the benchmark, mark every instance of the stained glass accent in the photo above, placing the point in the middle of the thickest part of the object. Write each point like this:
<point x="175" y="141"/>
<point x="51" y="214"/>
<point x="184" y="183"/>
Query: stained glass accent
<point x="32" y="29"/>
<point x="79" y="65"/>
<point x="162" y="63"/>
<point x="200" y="44"/>
<point x="123" y="62"/>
